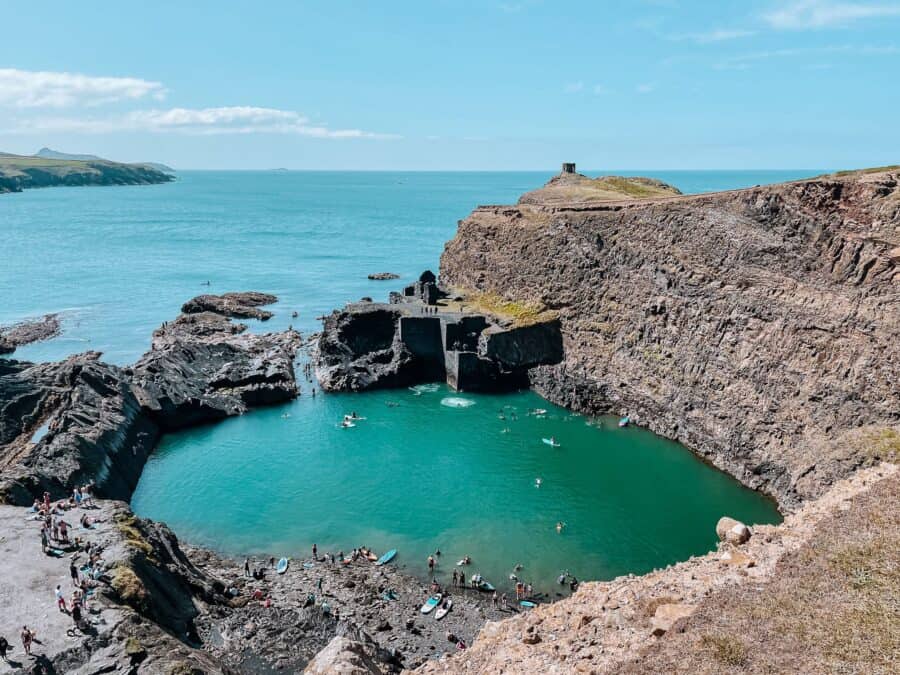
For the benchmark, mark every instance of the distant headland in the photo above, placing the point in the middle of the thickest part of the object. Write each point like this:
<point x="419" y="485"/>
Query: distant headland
<point x="50" y="168"/>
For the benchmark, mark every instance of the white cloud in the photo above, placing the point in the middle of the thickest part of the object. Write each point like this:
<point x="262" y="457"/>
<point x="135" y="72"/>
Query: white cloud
<point x="807" y="14"/>
<point x="195" y="122"/>
<point x="645" y="88"/>
<point x="745" y="61"/>
<point x="601" y="90"/>
<point x="573" y="87"/>
<point x="715" y="35"/>
<point x="36" y="88"/>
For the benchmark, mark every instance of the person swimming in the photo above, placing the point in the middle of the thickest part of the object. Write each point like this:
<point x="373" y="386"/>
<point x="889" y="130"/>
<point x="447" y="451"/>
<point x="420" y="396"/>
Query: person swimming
<point x="559" y="526"/>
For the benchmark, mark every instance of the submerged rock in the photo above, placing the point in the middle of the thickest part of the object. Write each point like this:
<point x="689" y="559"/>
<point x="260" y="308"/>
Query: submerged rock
<point x="383" y="276"/>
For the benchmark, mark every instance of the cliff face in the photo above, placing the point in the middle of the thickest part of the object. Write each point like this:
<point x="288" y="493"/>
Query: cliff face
<point x="759" y="327"/>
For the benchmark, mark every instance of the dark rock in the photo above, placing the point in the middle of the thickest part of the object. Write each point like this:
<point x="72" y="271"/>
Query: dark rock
<point x="243" y="305"/>
<point x="361" y="350"/>
<point x="383" y="276"/>
<point x="202" y="367"/>
<point x="95" y="429"/>
<point x="26" y="332"/>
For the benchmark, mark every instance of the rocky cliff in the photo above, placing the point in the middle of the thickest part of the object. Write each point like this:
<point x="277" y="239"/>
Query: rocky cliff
<point x="759" y="327"/>
<point x="81" y="420"/>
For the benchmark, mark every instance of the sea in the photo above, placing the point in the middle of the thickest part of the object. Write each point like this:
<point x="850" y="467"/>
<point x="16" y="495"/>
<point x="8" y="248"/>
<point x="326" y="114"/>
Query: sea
<point x="427" y="469"/>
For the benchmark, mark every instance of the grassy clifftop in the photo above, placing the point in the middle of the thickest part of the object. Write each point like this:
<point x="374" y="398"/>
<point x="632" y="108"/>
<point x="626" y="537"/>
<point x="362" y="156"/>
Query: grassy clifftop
<point x="19" y="172"/>
<point x="569" y="188"/>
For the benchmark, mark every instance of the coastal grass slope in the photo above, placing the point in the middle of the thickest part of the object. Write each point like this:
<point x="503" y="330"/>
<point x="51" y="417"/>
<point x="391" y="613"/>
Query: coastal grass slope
<point x="22" y="172"/>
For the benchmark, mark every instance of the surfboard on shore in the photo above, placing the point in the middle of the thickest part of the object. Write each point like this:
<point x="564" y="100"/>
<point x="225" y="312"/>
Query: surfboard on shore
<point x="387" y="557"/>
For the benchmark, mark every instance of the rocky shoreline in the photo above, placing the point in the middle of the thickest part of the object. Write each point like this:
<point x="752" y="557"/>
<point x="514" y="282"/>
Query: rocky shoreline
<point x="84" y="422"/>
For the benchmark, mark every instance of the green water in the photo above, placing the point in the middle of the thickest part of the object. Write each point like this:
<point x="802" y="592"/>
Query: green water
<point x="420" y="476"/>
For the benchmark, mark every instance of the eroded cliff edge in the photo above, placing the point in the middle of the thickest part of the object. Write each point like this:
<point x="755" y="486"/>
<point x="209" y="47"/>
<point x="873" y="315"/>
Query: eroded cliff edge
<point x="759" y="327"/>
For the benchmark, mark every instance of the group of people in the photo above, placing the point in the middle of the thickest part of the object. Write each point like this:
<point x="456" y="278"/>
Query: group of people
<point x="55" y="532"/>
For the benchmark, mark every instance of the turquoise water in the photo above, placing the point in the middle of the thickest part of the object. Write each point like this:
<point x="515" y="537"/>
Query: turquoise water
<point x="417" y="476"/>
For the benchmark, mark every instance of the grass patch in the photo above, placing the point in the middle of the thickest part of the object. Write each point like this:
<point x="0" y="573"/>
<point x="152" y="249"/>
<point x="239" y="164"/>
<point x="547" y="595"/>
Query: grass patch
<point x="882" y="444"/>
<point x="725" y="649"/>
<point x="127" y="524"/>
<point x="874" y="169"/>
<point x="129" y="586"/>
<point x="518" y="313"/>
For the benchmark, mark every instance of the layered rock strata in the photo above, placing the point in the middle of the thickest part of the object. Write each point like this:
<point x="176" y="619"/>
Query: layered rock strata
<point x="758" y="327"/>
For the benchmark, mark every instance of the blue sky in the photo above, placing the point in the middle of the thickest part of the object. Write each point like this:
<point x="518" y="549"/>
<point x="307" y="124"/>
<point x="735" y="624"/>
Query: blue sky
<point x="518" y="84"/>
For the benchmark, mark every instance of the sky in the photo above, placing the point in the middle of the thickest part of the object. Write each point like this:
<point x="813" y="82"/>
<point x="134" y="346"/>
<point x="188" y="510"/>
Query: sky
<point x="456" y="85"/>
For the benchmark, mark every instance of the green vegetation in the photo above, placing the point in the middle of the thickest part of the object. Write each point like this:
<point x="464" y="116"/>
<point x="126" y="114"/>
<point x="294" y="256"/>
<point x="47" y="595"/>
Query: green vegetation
<point x="572" y="188"/>
<point x="876" y="169"/>
<point x="127" y="524"/>
<point x="525" y="313"/>
<point x="18" y="172"/>
<point x="725" y="649"/>
<point x="129" y="586"/>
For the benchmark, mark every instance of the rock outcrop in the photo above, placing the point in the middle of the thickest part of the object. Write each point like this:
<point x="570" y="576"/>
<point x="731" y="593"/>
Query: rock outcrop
<point x="26" y="332"/>
<point x="70" y="423"/>
<point x="81" y="420"/>
<point x="758" y="327"/>
<point x="203" y="367"/>
<point x="239" y="305"/>
<point x="370" y="345"/>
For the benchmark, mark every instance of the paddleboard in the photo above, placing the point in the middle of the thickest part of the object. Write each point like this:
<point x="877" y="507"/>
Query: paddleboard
<point x="527" y="603"/>
<point x="550" y="443"/>
<point x="387" y="557"/>
<point x="443" y="610"/>
<point x="282" y="566"/>
<point x="430" y="604"/>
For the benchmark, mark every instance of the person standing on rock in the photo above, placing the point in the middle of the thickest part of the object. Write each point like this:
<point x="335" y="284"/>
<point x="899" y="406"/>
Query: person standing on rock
<point x="4" y="647"/>
<point x="27" y="637"/>
<point x="61" y="600"/>
<point x="315" y="553"/>
<point x="73" y="572"/>
<point x="246" y="567"/>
